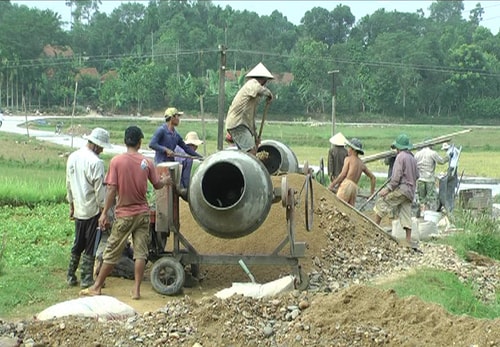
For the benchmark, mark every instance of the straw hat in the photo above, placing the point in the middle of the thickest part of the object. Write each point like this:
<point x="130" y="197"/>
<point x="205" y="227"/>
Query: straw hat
<point x="100" y="137"/>
<point x="445" y="146"/>
<point x="260" y="71"/>
<point x="192" y="139"/>
<point x="356" y="145"/>
<point x="338" y="139"/>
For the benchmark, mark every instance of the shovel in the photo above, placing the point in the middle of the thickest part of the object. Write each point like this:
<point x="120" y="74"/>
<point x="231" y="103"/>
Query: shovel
<point x="374" y="194"/>
<point x="263" y="119"/>
<point x="181" y="155"/>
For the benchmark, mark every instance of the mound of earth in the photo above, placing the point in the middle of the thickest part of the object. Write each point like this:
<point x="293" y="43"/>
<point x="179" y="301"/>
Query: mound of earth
<point x="346" y="251"/>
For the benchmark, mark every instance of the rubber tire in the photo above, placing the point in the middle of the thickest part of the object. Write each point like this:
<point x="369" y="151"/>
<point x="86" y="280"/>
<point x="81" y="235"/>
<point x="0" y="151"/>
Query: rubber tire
<point x="174" y="270"/>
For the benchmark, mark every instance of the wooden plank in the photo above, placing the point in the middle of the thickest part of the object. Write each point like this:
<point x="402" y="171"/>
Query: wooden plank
<point x="433" y="141"/>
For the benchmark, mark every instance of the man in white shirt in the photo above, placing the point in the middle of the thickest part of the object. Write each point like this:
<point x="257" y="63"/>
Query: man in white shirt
<point x="85" y="194"/>
<point x="427" y="158"/>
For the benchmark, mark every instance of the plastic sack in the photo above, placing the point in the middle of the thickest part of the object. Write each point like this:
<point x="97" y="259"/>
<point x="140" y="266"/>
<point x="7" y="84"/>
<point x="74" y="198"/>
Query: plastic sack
<point x="100" y="307"/>
<point x="256" y="290"/>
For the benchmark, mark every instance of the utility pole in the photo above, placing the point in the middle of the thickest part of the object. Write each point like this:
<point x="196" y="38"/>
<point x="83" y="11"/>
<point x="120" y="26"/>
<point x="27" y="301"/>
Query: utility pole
<point x="333" y="72"/>
<point x="222" y="96"/>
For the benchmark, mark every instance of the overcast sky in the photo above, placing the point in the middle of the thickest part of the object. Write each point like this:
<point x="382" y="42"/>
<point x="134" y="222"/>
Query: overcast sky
<point x="294" y="10"/>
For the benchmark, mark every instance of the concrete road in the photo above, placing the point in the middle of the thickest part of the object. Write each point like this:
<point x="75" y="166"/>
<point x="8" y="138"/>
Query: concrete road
<point x="13" y="124"/>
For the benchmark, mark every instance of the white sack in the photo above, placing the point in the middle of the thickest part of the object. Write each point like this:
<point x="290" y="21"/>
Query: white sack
<point x="258" y="291"/>
<point x="100" y="307"/>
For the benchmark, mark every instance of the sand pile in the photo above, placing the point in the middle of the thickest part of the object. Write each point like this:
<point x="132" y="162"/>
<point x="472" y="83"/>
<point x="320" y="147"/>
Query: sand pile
<point x="340" y="237"/>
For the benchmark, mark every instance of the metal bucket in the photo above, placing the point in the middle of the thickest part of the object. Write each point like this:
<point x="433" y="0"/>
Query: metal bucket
<point x="230" y="194"/>
<point x="281" y="158"/>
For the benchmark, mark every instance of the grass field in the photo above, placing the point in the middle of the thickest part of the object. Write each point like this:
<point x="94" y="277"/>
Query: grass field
<point x="309" y="141"/>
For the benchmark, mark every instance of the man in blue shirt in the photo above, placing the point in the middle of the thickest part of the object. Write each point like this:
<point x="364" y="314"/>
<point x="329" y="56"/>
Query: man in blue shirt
<point x="166" y="138"/>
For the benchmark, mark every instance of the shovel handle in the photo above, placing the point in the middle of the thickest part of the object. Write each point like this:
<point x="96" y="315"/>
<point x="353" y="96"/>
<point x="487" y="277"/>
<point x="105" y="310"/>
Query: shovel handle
<point x="263" y="119"/>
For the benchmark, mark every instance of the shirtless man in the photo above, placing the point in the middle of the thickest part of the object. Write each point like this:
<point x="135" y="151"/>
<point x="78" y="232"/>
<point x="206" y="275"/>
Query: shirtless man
<point x="351" y="173"/>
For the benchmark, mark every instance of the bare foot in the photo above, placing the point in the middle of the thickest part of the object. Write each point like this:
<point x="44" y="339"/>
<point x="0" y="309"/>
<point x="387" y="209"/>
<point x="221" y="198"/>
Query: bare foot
<point x="89" y="292"/>
<point x="134" y="295"/>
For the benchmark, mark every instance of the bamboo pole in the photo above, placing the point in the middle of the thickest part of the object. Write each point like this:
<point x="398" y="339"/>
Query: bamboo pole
<point x="73" y="114"/>
<point x="433" y="141"/>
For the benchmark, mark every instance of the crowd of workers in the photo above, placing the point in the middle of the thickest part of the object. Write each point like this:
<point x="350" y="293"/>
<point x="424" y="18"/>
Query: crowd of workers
<point x="411" y="178"/>
<point x="117" y="201"/>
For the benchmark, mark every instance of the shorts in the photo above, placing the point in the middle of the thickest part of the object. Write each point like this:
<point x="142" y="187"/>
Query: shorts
<point x="243" y="138"/>
<point x="348" y="191"/>
<point x="398" y="203"/>
<point x="138" y="226"/>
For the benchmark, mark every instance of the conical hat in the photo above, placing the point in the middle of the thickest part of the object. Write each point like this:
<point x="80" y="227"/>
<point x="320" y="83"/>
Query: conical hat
<point x="338" y="139"/>
<point x="260" y="71"/>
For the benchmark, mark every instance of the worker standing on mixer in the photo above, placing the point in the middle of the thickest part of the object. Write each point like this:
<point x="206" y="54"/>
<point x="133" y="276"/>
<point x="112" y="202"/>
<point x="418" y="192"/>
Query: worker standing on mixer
<point x="240" y="120"/>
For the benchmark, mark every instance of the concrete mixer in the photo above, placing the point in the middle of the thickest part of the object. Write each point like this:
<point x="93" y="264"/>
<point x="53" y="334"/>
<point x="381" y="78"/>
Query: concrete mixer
<point x="230" y="196"/>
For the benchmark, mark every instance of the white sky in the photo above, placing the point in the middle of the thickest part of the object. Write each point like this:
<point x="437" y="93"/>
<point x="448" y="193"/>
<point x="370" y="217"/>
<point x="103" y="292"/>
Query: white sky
<point x="295" y="10"/>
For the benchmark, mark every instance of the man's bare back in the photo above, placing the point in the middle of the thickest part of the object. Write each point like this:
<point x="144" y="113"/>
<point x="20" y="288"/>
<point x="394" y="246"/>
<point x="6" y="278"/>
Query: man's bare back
<point x="351" y="173"/>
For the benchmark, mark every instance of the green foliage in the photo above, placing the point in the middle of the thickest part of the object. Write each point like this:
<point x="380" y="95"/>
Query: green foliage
<point x="167" y="53"/>
<point x="37" y="242"/>
<point x="481" y="234"/>
<point x="445" y="289"/>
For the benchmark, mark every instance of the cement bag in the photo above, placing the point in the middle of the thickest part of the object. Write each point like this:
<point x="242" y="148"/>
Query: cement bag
<point x="100" y="307"/>
<point x="426" y="230"/>
<point x="256" y="290"/>
<point x="399" y="233"/>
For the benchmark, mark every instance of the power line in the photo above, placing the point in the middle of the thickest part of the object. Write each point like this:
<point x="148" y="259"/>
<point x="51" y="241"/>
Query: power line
<point x="47" y="63"/>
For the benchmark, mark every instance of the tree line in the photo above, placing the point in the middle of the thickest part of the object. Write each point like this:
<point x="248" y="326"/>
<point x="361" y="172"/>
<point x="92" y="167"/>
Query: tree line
<point x="141" y="58"/>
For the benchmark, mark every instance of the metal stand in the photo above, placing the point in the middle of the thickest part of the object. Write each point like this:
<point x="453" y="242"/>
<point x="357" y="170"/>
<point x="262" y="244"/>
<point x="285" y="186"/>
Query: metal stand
<point x="168" y="275"/>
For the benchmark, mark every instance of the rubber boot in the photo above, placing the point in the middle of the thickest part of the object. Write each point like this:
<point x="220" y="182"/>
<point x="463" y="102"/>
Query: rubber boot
<point x="87" y="271"/>
<point x="73" y="265"/>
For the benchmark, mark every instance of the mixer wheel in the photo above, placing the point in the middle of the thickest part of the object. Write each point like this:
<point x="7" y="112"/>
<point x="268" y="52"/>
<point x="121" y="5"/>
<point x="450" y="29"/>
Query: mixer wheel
<point x="167" y="276"/>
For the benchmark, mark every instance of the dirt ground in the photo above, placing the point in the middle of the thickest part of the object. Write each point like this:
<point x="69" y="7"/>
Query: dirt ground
<point x="342" y="311"/>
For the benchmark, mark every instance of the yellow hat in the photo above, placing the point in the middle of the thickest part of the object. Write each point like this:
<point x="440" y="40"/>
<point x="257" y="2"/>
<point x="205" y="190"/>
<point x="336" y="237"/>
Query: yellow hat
<point x="172" y="111"/>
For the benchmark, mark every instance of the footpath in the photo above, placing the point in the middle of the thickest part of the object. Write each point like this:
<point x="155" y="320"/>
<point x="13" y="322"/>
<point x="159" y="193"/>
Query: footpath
<point x="13" y="124"/>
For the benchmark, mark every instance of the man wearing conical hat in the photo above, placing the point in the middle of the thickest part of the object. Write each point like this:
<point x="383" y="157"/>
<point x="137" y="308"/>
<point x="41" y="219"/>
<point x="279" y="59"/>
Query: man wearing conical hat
<point x="240" y="120"/>
<point x="336" y="155"/>
<point x="351" y="173"/>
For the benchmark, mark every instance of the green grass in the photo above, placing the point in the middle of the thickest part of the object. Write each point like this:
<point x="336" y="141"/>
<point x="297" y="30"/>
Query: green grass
<point x="481" y="234"/>
<point x="480" y="156"/>
<point x="37" y="243"/>
<point x="445" y="289"/>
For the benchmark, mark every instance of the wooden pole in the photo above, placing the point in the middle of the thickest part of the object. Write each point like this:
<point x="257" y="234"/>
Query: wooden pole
<point x="25" y="116"/>
<point x="334" y="118"/>
<point x="433" y="141"/>
<point x="73" y="114"/>
<point x="222" y="96"/>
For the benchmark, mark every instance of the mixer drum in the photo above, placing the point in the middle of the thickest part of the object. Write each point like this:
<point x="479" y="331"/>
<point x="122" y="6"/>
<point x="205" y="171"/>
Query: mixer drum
<point x="281" y="158"/>
<point x="230" y="194"/>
